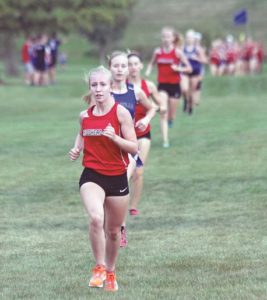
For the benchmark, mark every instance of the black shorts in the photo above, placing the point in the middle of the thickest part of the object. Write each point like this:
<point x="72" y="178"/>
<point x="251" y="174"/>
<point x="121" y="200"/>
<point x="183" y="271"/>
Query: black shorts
<point x="53" y="61"/>
<point x="112" y="185"/>
<point x="145" y="136"/>
<point x="40" y="66"/>
<point x="172" y="89"/>
<point x="195" y="72"/>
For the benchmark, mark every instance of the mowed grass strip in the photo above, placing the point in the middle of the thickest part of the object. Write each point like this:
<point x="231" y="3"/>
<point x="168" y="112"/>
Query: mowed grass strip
<point x="202" y="229"/>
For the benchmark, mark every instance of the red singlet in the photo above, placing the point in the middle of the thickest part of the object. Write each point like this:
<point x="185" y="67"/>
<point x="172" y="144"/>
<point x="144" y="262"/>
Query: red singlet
<point x="260" y="53"/>
<point x="231" y="55"/>
<point x="164" y="62"/>
<point x="248" y="50"/>
<point x="25" y="56"/>
<point x="100" y="153"/>
<point x="215" y="57"/>
<point x="140" y="111"/>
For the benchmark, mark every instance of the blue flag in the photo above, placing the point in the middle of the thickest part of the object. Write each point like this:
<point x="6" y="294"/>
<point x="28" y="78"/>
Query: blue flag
<point x="241" y="17"/>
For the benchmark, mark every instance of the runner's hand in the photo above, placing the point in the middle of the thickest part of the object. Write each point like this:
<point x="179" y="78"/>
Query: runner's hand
<point x="74" y="153"/>
<point x="109" y="132"/>
<point x="141" y="124"/>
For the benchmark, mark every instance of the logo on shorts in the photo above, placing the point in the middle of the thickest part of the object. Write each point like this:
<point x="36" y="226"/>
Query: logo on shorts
<point x="121" y="191"/>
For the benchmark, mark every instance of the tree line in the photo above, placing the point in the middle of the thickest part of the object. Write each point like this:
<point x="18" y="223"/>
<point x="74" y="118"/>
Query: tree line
<point x="100" y="21"/>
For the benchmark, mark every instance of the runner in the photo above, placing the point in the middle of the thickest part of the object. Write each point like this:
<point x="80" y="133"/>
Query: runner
<point x="53" y="43"/>
<point x="196" y="56"/>
<point x="128" y="96"/>
<point x="143" y="137"/>
<point x="106" y="136"/>
<point x="171" y="62"/>
<point x="26" y="60"/>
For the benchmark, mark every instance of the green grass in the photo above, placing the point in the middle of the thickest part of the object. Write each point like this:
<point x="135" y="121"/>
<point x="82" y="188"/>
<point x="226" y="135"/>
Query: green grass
<point x="202" y="229"/>
<point x="211" y="17"/>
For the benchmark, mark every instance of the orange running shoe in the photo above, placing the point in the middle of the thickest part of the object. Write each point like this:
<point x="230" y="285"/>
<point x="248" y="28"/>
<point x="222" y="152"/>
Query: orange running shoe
<point x="111" y="284"/>
<point x="99" y="276"/>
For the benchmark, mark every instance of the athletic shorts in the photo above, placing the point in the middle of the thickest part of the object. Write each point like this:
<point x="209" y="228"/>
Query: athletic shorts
<point x="145" y="136"/>
<point x="172" y="89"/>
<point x="28" y="67"/>
<point x="53" y="61"/>
<point x="112" y="185"/>
<point x="196" y="68"/>
<point x="40" y="66"/>
<point x="196" y="72"/>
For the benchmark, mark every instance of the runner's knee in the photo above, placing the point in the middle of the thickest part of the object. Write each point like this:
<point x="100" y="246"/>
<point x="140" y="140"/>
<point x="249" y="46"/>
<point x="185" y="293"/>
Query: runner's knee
<point x="97" y="221"/>
<point x="113" y="235"/>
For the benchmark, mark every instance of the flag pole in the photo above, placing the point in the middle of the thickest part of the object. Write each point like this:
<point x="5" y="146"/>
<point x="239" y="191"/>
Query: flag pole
<point x="247" y="29"/>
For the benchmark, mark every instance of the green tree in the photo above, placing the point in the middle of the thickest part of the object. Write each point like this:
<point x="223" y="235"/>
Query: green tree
<point x="30" y="16"/>
<point x="101" y="21"/>
<point x="108" y="21"/>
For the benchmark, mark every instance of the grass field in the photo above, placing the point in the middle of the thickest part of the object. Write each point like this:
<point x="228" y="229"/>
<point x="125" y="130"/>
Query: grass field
<point x="211" y="17"/>
<point x="202" y="229"/>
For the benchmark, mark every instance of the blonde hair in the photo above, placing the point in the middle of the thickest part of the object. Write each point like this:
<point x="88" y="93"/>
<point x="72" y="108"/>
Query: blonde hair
<point x="168" y="28"/>
<point x="87" y="78"/>
<point x="115" y="54"/>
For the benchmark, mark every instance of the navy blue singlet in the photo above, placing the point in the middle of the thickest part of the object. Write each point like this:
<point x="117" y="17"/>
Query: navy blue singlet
<point x="128" y="99"/>
<point x="195" y="64"/>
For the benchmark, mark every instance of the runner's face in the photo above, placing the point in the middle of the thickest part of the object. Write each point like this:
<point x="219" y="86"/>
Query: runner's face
<point x="135" y="66"/>
<point x="100" y="87"/>
<point x="119" y="68"/>
<point x="190" y="40"/>
<point x="167" y="38"/>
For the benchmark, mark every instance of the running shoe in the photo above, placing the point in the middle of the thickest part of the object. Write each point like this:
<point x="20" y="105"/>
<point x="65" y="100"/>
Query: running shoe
<point x="170" y="123"/>
<point x="190" y="111"/>
<point x="134" y="212"/>
<point x="111" y="284"/>
<point x="185" y="105"/>
<point x="123" y="242"/>
<point x="166" y="145"/>
<point x="99" y="276"/>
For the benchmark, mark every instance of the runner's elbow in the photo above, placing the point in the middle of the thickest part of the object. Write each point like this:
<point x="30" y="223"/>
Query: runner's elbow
<point x="134" y="148"/>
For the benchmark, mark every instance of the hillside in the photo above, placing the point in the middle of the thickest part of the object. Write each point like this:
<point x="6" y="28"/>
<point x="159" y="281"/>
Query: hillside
<point x="211" y="17"/>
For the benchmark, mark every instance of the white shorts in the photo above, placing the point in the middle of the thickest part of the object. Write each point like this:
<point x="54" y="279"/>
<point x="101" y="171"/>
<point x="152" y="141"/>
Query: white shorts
<point x="28" y="67"/>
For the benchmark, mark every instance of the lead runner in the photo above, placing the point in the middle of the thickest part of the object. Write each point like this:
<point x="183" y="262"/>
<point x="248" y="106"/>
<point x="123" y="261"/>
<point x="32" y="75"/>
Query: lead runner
<point x="106" y="136"/>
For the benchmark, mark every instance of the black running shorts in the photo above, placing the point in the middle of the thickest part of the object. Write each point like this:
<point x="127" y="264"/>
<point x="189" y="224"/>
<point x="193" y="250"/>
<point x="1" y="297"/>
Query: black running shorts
<point x="173" y="90"/>
<point x="146" y="135"/>
<point x="112" y="185"/>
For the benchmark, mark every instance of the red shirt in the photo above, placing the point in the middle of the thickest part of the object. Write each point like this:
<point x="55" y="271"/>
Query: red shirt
<point x="100" y="153"/>
<point x="140" y="111"/>
<point x="164" y="61"/>
<point x="248" y="50"/>
<point x="215" y="58"/>
<point x="260" y="53"/>
<point x="25" y="56"/>
<point x="230" y="55"/>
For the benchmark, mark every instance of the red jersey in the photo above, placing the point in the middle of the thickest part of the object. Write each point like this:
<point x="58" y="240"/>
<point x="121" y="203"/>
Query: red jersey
<point x="260" y="53"/>
<point x="164" y="61"/>
<point x="215" y="58"/>
<point x="25" y="55"/>
<point x="140" y="111"/>
<point x="230" y="55"/>
<point x="100" y="153"/>
<point x="248" y="50"/>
